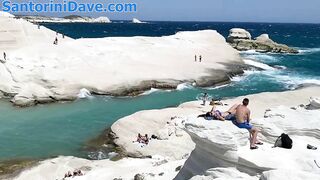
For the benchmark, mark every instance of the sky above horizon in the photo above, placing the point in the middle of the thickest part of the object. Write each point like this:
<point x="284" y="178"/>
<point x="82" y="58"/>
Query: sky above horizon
<point x="216" y="10"/>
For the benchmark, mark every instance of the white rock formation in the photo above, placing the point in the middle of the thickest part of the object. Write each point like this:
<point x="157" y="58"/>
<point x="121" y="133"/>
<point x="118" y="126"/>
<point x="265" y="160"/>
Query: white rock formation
<point x="5" y="14"/>
<point x="264" y="38"/>
<point x="84" y="93"/>
<point x="238" y="33"/>
<point x="124" y="169"/>
<point x="223" y="174"/>
<point x="162" y="123"/>
<point x="135" y="20"/>
<point x="221" y="151"/>
<point x="37" y="71"/>
<point x="221" y="144"/>
<point x="102" y="19"/>
<point x="241" y="40"/>
<point x="291" y="174"/>
<point x="315" y="102"/>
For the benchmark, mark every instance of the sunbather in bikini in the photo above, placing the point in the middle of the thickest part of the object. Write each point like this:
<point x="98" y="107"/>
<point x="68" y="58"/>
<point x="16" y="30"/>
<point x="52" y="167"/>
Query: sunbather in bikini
<point x="218" y="115"/>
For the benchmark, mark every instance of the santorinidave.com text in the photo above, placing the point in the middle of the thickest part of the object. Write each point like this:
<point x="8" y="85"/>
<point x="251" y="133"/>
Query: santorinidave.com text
<point x="25" y="6"/>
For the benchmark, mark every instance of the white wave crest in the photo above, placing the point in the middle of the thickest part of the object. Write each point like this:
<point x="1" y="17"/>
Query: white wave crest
<point x="84" y="93"/>
<point x="216" y="87"/>
<point x="183" y="86"/>
<point x="244" y="75"/>
<point x="258" y="64"/>
<point x="152" y="90"/>
<point x="293" y="81"/>
<point x="249" y="52"/>
<point x="309" y="50"/>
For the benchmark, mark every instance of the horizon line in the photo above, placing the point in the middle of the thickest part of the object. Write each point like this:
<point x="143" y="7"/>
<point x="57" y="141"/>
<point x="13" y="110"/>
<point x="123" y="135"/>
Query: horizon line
<point x="219" y="21"/>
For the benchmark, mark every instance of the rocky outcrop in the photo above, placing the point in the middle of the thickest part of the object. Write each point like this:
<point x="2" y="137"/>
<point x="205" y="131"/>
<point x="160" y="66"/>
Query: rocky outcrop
<point x="238" y="33"/>
<point x="137" y="21"/>
<point x="240" y="39"/>
<point x="118" y="66"/>
<point x="222" y="145"/>
<point x="219" y="149"/>
<point x="164" y="124"/>
<point x="315" y="102"/>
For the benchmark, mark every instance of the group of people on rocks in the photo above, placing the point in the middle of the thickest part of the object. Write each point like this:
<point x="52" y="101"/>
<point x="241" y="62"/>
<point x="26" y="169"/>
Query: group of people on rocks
<point x="75" y="173"/>
<point x="55" y="42"/>
<point x="143" y="139"/>
<point x="196" y="58"/>
<point x="240" y="116"/>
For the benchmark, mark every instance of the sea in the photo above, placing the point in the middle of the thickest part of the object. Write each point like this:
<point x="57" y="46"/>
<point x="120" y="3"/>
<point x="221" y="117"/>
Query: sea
<point x="50" y="130"/>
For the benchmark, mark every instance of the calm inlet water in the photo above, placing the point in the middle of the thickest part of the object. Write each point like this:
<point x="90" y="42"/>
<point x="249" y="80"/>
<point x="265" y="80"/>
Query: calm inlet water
<point x="62" y="129"/>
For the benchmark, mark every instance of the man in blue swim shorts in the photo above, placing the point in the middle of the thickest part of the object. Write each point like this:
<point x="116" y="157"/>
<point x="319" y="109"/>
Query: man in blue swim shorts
<point x="242" y="121"/>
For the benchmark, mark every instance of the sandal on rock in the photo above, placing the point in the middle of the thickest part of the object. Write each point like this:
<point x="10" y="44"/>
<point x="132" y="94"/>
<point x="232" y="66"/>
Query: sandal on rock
<point x="254" y="147"/>
<point x="311" y="147"/>
<point x="259" y="143"/>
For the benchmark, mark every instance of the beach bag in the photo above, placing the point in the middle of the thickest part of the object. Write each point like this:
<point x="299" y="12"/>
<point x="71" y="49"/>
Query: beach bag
<point x="283" y="141"/>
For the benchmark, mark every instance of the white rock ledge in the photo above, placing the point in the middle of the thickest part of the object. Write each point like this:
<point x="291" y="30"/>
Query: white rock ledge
<point x="215" y="149"/>
<point x="37" y="71"/>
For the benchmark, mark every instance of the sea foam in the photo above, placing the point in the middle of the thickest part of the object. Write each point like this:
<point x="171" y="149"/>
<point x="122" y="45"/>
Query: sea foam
<point x="309" y="50"/>
<point x="184" y="86"/>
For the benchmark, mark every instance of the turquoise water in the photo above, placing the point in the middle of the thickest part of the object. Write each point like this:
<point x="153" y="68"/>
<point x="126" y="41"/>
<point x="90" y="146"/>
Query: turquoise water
<point x="63" y="128"/>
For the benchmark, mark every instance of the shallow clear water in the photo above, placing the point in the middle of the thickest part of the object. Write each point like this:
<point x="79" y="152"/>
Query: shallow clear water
<point x="62" y="129"/>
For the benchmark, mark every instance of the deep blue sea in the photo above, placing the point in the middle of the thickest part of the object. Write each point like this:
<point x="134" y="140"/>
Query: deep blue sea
<point x="62" y="129"/>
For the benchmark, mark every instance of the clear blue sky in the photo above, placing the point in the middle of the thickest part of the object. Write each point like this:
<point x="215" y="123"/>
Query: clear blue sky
<point x="306" y="11"/>
<point x="232" y="10"/>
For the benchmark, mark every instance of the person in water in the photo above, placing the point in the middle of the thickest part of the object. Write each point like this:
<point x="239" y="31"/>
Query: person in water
<point x="242" y="121"/>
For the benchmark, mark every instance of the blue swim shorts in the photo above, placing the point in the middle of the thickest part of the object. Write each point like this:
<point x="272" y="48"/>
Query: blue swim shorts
<point x="244" y="125"/>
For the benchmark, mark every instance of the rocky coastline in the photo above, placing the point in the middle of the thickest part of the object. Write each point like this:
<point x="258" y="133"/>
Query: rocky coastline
<point x="241" y="40"/>
<point x="198" y="149"/>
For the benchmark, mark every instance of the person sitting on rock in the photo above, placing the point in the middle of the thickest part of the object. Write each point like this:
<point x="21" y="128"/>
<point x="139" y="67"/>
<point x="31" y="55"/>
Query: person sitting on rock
<point x="243" y="121"/>
<point x="139" y="138"/>
<point x="145" y="138"/>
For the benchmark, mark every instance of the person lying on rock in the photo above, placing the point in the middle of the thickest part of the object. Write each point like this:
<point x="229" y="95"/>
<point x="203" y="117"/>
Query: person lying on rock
<point x="242" y="121"/>
<point x="218" y="115"/>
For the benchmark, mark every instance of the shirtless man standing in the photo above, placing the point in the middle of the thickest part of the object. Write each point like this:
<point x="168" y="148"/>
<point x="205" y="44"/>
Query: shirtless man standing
<point x="242" y="121"/>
